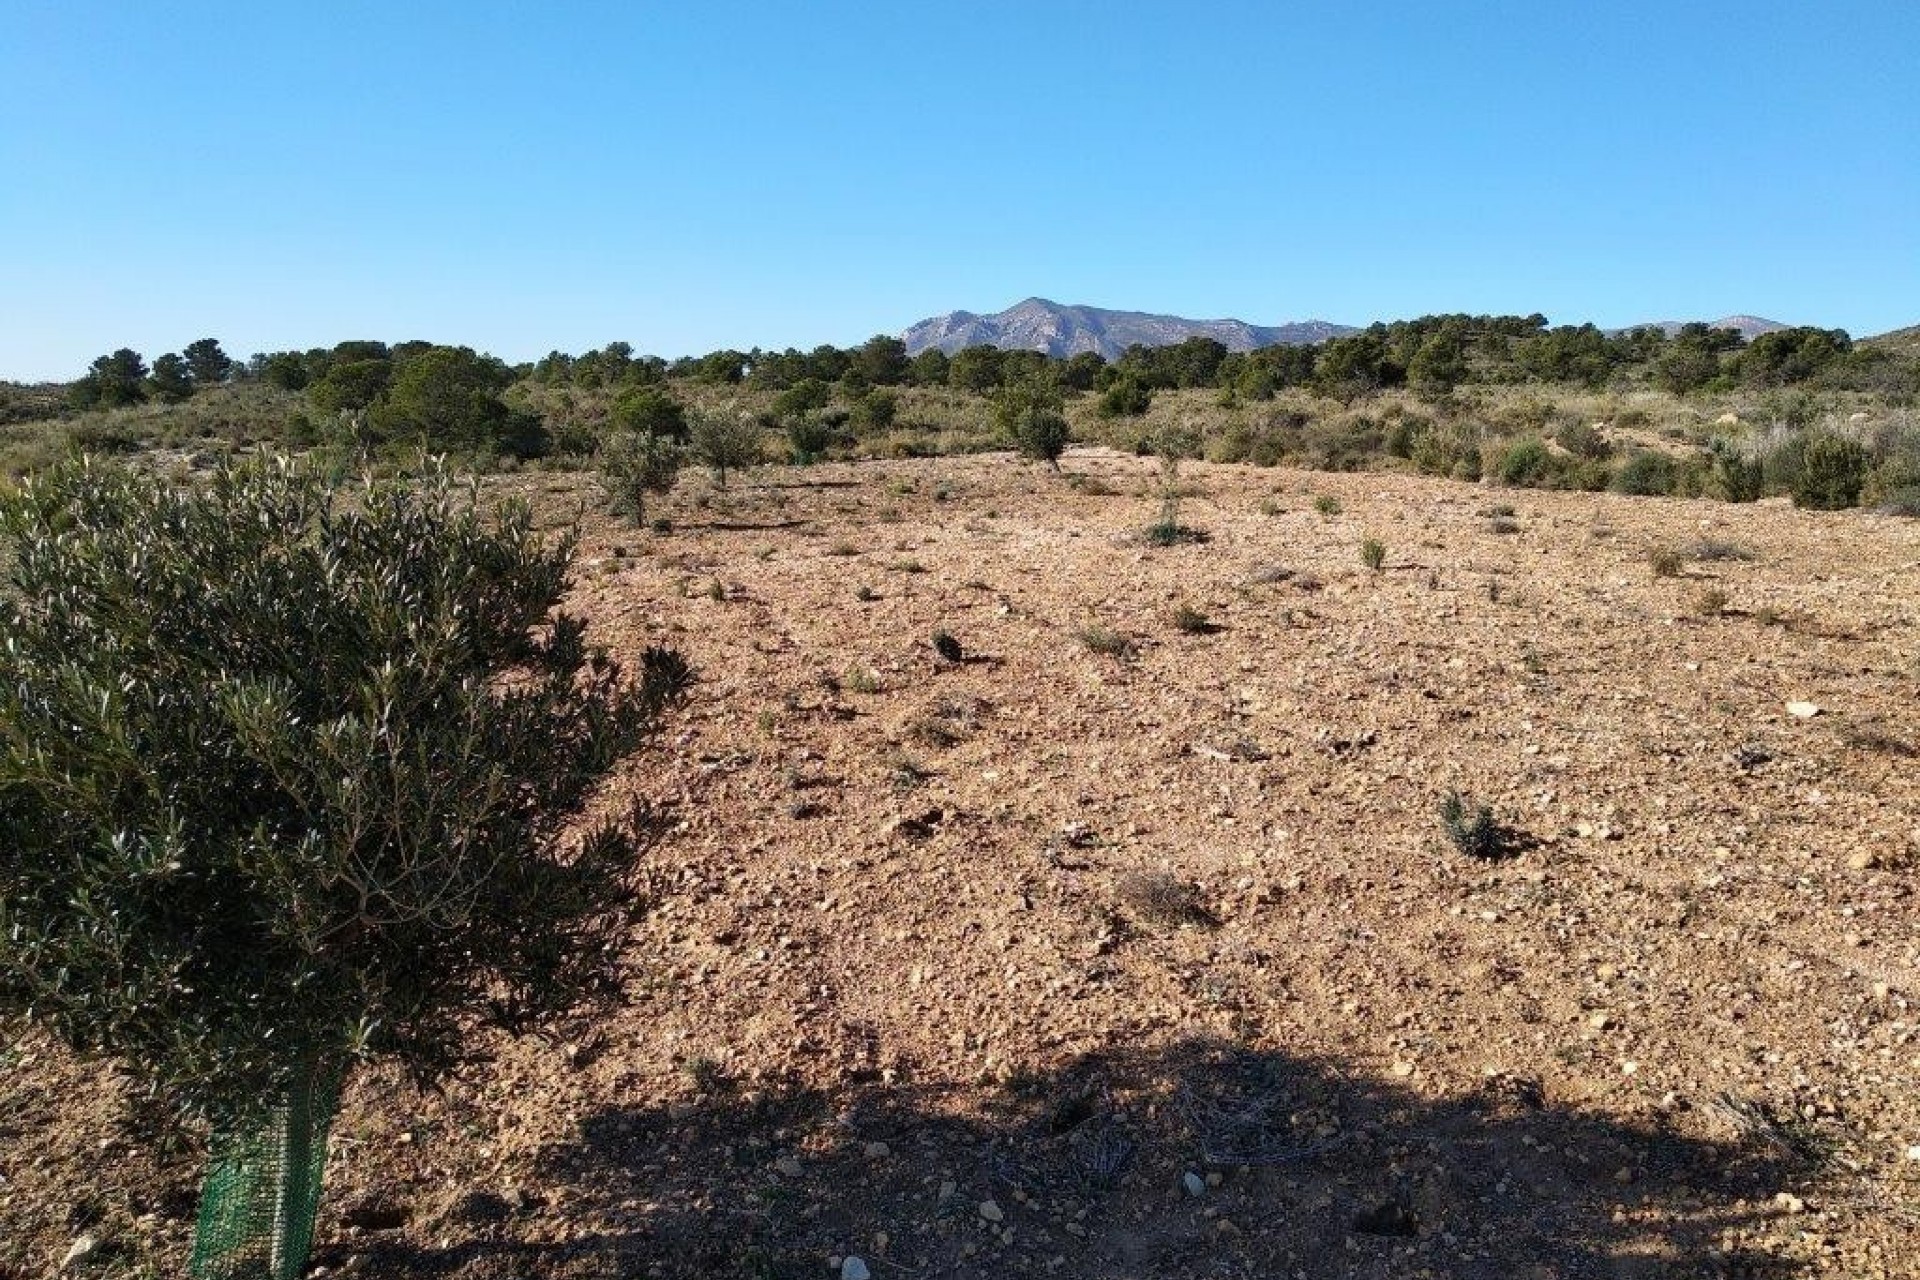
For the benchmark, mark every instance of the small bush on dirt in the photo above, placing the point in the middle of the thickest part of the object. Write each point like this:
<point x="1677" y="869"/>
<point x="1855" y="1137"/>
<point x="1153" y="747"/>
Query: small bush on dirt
<point x="632" y="465"/>
<point x="1665" y="562"/>
<point x="1527" y="463"/>
<point x="808" y="437"/>
<point x="724" y="441"/>
<point x="1190" y="621"/>
<point x="1645" y="474"/>
<point x="1162" y="898"/>
<point x="1473" y="829"/>
<point x="1029" y="415"/>
<point x="1326" y="504"/>
<point x="1733" y="476"/>
<point x="1105" y="641"/>
<point x="1717" y="549"/>
<point x="1373" y="554"/>
<point x="1832" y="472"/>
<point x="1901" y="502"/>
<point x="1711" y="602"/>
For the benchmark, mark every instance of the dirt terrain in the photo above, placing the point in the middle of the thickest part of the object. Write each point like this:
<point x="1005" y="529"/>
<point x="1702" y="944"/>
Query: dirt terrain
<point x="1130" y="943"/>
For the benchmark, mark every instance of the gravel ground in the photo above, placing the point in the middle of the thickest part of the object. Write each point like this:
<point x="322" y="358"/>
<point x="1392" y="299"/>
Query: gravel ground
<point x="961" y="968"/>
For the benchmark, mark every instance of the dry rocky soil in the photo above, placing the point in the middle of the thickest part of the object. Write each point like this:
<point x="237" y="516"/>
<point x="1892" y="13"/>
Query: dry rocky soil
<point x="1130" y="944"/>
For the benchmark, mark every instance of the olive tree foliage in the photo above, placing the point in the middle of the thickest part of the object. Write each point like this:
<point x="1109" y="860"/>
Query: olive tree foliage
<point x="295" y="774"/>
<point x="725" y="441"/>
<point x="632" y="465"/>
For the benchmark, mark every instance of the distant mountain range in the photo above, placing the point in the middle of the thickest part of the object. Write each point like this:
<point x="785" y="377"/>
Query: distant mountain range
<point x="1750" y="327"/>
<point x="1040" y="325"/>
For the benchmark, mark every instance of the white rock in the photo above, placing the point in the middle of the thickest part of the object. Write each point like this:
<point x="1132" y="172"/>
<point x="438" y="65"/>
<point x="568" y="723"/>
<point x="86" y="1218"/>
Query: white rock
<point x="992" y="1212"/>
<point x="1802" y="710"/>
<point x="854" y="1269"/>
<point x="80" y="1251"/>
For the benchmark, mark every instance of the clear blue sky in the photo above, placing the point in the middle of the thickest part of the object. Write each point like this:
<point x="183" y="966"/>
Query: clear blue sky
<point x="521" y="177"/>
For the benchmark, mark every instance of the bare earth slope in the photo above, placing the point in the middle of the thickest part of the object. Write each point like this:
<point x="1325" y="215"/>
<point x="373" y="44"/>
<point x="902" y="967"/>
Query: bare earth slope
<point x="962" y="967"/>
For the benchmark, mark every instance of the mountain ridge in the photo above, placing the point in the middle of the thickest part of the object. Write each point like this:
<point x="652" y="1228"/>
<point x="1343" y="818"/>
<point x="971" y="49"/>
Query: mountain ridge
<point x="1061" y="330"/>
<point x="1039" y="324"/>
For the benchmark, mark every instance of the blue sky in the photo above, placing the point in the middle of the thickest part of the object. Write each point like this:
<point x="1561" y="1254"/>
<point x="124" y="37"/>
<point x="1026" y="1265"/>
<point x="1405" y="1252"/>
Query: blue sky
<point x="523" y="177"/>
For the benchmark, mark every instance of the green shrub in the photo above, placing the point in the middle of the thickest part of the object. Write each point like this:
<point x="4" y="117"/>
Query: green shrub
<point x="1582" y="440"/>
<point x="1644" y="474"/>
<point x="1127" y="397"/>
<point x="1105" y="641"/>
<point x="808" y="437"/>
<point x="1527" y="463"/>
<point x="292" y="778"/>
<point x="724" y="441"/>
<point x="1735" y="477"/>
<point x="1029" y="414"/>
<point x="1901" y="502"/>
<point x="1473" y="829"/>
<point x="632" y="465"/>
<point x="1373" y="554"/>
<point x="1326" y="504"/>
<point x="875" y="411"/>
<point x="1831" y="474"/>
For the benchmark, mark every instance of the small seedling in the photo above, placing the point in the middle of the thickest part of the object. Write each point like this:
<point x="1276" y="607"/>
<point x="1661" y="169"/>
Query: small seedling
<point x="1710" y="603"/>
<point x="865" y="594"/>
<point x="1326" y="504"/>
<point x="1666" y="562"/>
<point x="1190" y="621"/>
<point x="1373" y="554"/>
<point x="1500" y="524"/>
<point x="1162" y="898"/>
<point x="1473" y="829"/>
<point x="1106" y="641"/>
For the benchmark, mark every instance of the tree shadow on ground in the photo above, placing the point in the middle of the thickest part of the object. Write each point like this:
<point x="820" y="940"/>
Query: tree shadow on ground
<point x="1299" y="1169"/>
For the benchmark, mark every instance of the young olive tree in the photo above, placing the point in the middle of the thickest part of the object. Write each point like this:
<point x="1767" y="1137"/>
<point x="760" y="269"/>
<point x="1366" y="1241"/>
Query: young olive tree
<point x="293" y="777"/>
<point x="728" y="440"/>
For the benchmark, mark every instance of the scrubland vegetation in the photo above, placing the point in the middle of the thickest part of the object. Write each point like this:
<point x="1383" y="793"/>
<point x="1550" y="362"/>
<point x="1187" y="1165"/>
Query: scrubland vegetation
<point x="1807" y="413"/>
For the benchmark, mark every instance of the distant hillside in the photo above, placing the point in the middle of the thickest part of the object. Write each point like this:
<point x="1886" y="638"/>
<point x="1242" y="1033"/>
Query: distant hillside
<point x="1750" y="327"/>
<point x="1907" y="339"/>
<point x="1040" y="325"/>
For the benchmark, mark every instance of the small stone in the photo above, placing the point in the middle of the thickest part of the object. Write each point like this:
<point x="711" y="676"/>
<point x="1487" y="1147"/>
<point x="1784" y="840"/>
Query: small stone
<point x="1802" y="710"/>
<point x="992" y="1212"/>
<point x="787" y="1167"/>
<point x="1862" y="861"/>
<point x="948" y="1190"/>
<point x="80" y="1252"/>
<point x="1194" y="1183"/>
<point x="1789" y="1203"/>
<point x="1600" y="1021"/>
<point x="1623" y="1175"/>
<point x="854" y="1269"/>
<point x="1403" y="1069"/>
<point x="878" y="1150"/>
